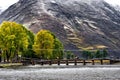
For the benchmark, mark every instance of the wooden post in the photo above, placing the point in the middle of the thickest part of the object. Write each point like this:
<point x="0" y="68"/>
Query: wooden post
<point x="24" y="63"/>
<point x="111" y="61"/>
<point x="50" y="62"/>
<point x="75" y="62"/>
<point x="93" y="63"/>
<point x="101" y="61"/>
<point x="33" y="62"/>
<point x="67" y="62"/>
<point x="58" y="62"/>
<point x="42" y="63"/>
<point x="84" y="63"/>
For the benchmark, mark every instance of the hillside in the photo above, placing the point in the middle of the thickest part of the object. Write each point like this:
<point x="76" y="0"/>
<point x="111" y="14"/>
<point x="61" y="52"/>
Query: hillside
<point x="89" y="24"/>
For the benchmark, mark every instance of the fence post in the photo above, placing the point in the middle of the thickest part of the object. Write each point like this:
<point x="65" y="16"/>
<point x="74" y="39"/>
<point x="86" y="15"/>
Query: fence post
<point x="111" y="61"/>
<point x="75" y="61"/>
<point x="50" y="62"/>
<point x="84" y="63"/>
<point x="42" y="63"/>
<point x="93" y="63"/>
<point x="33" y="62"/>
<point x="67" y="62"/>
<point x="58" y="62"/>
<point x="101" y="61"/>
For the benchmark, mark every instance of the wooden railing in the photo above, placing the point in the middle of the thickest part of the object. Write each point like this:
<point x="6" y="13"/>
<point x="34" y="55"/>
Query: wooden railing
<point x="69" y="61"/>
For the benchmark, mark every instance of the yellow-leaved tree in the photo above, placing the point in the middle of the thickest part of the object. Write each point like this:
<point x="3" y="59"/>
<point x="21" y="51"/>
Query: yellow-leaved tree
<point x="13" y="39"/>
<point x="47" y="46"/>
<point x="43" y="45"/>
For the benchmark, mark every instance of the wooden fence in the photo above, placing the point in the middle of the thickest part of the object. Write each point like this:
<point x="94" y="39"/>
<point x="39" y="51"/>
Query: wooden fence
<point x="70" y="61"/>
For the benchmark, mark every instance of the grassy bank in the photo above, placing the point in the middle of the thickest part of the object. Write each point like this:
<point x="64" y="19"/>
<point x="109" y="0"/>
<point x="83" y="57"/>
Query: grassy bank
<point x="7" y="65"/>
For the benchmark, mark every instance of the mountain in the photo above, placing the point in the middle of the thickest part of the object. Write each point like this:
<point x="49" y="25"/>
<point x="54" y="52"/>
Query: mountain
<point x="79" y="24"/>
<point x="0" y="11"/>
<point x="117" y="7"/>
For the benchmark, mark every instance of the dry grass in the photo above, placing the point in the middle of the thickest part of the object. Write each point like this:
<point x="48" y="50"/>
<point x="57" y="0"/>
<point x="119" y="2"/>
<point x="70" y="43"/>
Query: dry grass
<point x="98" y="61"/>
<point x="100" y="46"/>
<point x="4" y="65"/>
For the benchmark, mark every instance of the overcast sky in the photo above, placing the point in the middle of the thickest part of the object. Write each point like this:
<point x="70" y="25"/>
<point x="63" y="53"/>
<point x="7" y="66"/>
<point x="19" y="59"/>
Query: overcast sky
<point x="4" y="4"/>
<point x="114" y="2"/>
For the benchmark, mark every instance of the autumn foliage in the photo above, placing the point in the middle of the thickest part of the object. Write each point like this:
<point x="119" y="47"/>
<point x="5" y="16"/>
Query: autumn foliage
<point x="16" y="40"/>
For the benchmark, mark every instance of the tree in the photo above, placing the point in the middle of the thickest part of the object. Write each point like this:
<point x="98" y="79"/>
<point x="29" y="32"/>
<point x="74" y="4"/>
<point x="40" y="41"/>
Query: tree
<point x="13" y="39"/>
<point x="43" y="44"/>
<point x="47" y="46"/>
<point x="98" y="54"/>
<point x="87" y="54"/>
<point x="69" y="55"/>
<point x="105" y="53"/>
<point x="29" y="53"/>
<point x="58" y="49"/>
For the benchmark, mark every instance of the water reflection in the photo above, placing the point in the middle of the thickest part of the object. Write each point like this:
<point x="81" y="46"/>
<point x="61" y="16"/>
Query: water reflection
<point x="61" y="73"/>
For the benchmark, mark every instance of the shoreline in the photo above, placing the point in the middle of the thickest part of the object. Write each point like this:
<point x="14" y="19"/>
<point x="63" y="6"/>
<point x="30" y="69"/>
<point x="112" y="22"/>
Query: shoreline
<point x="17" y="65"/>
<point x="7" y="65"/>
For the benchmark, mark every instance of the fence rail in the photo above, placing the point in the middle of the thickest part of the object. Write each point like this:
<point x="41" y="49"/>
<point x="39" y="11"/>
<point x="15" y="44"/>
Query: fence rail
<point x="69" y="61"/>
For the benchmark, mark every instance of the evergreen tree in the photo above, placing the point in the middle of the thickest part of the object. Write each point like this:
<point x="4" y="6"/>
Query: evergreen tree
<point x="29" y="53"/>
<point x="58" y="49"/>
<point x="87" y="55"/>
<point x="98" y="54"/>
<point x="105" y="53"/>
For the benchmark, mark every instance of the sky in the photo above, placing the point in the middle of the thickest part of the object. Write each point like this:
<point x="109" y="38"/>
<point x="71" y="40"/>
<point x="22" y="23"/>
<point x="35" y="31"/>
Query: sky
<point x="4" y="4"/>
<point x="114" y="2"/>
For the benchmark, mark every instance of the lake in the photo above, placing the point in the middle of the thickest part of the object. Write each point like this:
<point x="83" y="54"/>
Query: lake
<point x="61" y="73"/>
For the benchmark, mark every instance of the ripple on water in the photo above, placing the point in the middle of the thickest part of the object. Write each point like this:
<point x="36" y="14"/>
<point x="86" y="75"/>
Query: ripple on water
<point x="87" y="73"/>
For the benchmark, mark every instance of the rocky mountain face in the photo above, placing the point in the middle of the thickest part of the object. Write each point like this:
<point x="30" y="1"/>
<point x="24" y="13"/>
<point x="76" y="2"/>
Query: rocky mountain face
<point x="79" y="24"/>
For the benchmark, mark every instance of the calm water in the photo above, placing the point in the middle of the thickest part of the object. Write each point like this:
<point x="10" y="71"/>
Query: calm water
<point x="61" y="73"/>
